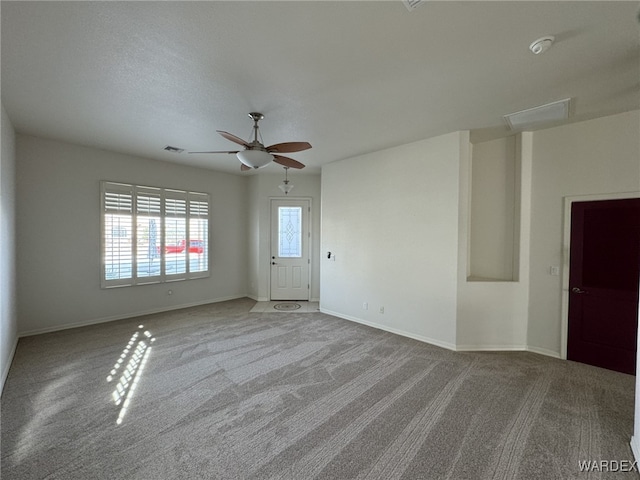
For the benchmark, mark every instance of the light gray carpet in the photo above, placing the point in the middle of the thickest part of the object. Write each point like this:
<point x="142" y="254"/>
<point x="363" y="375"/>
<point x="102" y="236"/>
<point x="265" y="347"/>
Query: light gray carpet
<point x="228" y="394"/>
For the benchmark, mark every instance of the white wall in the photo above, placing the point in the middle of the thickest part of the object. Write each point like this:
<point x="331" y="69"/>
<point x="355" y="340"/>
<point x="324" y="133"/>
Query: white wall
<point x="254" y="239"/>
<point x="391" y="220"/>
<point x="262" y="188"/>
<point x="594" y="157"/>
<point x="58" y="230"/>
<point x="8" y="300"/>
<point x="401" y="240"/>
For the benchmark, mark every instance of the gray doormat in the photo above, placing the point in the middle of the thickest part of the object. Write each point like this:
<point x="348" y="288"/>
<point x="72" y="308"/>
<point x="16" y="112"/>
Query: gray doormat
<point x="288" y="306"/>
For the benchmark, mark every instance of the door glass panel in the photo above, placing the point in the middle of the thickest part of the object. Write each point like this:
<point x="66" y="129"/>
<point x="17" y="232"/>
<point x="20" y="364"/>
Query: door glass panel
<point x="290" y="232"/>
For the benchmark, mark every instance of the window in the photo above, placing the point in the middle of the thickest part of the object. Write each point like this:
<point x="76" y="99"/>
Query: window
<point x="153" y="235"/>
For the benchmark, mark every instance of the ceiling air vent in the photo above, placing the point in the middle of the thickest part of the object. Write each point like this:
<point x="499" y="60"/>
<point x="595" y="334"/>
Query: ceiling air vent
<point x="537" y="116"/>
<point x="171" y="149"/>
<point x="413" y="4"/>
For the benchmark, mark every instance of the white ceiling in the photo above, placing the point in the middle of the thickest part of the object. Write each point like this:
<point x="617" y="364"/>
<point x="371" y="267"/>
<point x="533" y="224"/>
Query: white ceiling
<point x="348" y="77"/>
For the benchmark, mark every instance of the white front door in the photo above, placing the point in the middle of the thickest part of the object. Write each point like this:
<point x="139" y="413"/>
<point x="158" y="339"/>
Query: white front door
<point x="290" y="259"/>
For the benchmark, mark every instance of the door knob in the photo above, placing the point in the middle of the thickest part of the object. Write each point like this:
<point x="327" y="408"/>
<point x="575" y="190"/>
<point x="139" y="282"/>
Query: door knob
<point x="273" y="263"/>
<point x="578" y="290"/>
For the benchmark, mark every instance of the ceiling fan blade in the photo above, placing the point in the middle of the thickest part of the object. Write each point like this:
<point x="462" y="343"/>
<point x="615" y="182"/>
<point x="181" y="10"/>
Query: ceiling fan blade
<point x="233" y="138"/>
<point x="223" y="151"/>
<point x="287" y="162"/>
<point x="289" y="147"/>
<point x="244" y="168"/>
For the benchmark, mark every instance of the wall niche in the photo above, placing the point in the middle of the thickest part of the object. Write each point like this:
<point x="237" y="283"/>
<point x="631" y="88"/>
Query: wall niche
<point x="494" y="210"/>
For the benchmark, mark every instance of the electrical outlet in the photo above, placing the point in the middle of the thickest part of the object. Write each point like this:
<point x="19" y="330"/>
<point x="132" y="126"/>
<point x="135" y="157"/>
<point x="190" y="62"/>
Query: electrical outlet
<point x="365" y="306"/>
<point x="381" y="309"/>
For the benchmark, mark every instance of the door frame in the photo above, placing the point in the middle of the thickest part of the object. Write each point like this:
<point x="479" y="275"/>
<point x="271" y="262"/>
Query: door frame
<point x="309" y="239"/>
<point x="566" y="252"/>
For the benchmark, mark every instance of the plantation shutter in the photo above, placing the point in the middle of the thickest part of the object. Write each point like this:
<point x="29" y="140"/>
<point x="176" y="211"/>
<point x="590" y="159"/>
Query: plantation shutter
<point x="148" y="235"/>
<point x="176" y="234"/>
<point x="118" y="235"/>
<point x="152" y="235"/>
<point x="199" y="233"/>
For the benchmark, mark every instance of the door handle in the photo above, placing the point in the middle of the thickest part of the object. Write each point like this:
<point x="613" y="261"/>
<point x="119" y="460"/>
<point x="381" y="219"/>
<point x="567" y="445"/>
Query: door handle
<point x="273" y="263"/>
<point x="578" y="290"/>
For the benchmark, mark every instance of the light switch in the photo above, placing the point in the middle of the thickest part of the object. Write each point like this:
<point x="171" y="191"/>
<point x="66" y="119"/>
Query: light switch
<point x="554" y="270"/>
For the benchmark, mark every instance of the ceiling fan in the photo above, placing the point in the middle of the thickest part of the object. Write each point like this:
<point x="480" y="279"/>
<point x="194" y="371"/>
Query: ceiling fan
<point x="256" y="155"/>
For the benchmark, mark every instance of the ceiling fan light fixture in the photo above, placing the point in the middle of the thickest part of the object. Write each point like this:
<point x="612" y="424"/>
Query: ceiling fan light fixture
<point x="255" y="158"/>
<point x="285" y="187"/>
<point x="255" y="155"/>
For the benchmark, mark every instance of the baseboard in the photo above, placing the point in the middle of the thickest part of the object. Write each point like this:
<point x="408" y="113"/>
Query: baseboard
<point x="491" y="348"/>
<point x="507" y="348"/>
<point x="420" y="338"/>
<point x="266" y="299"/>
<point x="448" y="346"/>
<point x="635" y="448"/>
<point x="257" y="299"/>
<point x="543" y="351"/>
<point x="112" y="318"/>
<point x="5" y="372"/>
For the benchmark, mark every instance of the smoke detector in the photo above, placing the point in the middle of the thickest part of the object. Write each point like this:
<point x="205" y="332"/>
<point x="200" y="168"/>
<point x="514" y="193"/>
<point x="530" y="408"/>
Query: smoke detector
<point x="541" y="45"/>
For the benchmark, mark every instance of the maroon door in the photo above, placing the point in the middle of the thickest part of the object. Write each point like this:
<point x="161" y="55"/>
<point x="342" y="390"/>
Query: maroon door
<point x="603" y="283"/>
